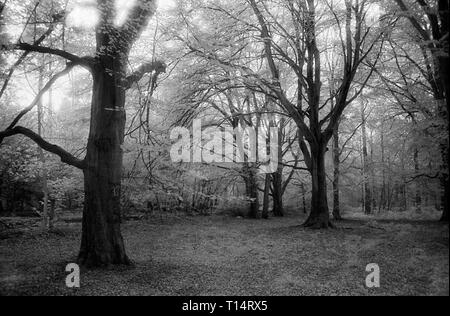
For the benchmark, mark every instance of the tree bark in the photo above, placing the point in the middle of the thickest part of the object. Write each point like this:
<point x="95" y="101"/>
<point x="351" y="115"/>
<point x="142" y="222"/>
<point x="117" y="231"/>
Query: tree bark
<point x="265" y="213"/>
<point x="251" y="187"/>
<point x="319" y="217"/>
<point x="305" y="211"/>
<point x="102" y="242"/>
<point x="43" y="176"/>
<point x="366" y="168"/>
<point x="277" y="179"/>
<point x="337" y="161"/>
<point x="418" y="198"/>
<point x="444" y="182"/>
<point x="278" y="208"/>
<point x="382" y="205"/>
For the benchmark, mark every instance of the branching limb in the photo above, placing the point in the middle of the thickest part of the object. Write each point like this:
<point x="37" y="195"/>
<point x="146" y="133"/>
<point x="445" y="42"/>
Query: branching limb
<point x="137" y="20"/>
<point x="56" y="18"/>
<point x="65" y="156"/>
<point x="86" y="62"/>
<point x="47" y="87"/>
<point x="158" y="67"/>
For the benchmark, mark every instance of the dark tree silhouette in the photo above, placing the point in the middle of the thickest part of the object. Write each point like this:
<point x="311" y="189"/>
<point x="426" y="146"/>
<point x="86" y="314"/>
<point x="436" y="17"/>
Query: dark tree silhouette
<point x="102" y="243"/>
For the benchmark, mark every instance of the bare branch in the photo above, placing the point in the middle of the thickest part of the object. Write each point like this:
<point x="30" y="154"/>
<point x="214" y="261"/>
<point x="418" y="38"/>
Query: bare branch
<point x="47" y="87"/>
<point x="158" y="67"/>
<point x="56" y="18"/>
<point x="65" y="156"/>
<point x="86" y="62"/>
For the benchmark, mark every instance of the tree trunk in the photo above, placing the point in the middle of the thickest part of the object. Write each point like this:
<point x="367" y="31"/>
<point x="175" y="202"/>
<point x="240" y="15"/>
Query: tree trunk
<point x="102" y="243"/>
<point x="265" y="213"/>
<point x="445" y="202"/>
<point x="278" y="209"/>
<point x="305" y="211"/>
<point x="444" y="182"/>
<point x="382" y="205"/>
<point x="320" y="215"/>
<point x="366" y="168"/>
<point x="43" y="176"/>
<point x="337" y="161"/>
<point x="418" y="197"/>
<point x="251" y="186"/>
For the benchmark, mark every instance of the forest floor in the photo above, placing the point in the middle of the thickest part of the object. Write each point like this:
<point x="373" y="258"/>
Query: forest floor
<point x="218" y="255"/>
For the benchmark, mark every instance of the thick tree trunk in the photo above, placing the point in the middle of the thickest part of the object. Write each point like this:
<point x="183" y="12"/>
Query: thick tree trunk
<point x="102" y="243"/>
<point x="320" y="215"/>
<point x="278" y="208"/>
<point x="337" y="161"/>
<point x="251" y="187"/>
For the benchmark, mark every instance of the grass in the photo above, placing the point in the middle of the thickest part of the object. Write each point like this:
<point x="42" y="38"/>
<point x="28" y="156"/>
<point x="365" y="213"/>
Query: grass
<point x="235" y="257"/>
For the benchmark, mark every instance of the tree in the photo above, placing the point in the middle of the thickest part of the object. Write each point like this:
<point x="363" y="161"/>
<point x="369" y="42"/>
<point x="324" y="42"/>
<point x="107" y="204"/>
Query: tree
<point x="367" y="192"/>
<point x="102" y="242"/>
<point x="356" y="47"/>
<point x="433" y="32"/>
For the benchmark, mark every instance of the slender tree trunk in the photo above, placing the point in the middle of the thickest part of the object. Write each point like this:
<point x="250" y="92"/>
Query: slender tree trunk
<point x="305" y="211"/>
<point x="277" y="177"/>
<point x="320" y="215"/>
<point x="337" y="161"/>
<point x="366" y="168"/>
<point x="444" y="183"/>
<point x="265" y="213"/>
<point x="43" y="176"/>
<point x="445" y="202"/>
<point x="382" y="204"/>
<point x="372" y="173"/>
<point x="102" y="243"/>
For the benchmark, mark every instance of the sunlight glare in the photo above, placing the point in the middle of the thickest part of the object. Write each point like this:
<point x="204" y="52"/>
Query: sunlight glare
<point x="166" y="5"/>
<point x="55" y="100"/>
<point x="83" y="16"/>
<point x="123" y="8"/>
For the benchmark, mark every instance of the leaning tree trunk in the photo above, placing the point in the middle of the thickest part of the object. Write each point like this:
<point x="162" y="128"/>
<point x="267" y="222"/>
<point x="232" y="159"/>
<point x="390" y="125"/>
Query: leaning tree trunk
<point x="320" y="215"/>
<point x="102" y="243"/>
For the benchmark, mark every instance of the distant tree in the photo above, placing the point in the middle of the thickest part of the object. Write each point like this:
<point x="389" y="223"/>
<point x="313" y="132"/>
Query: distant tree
<point x="430" y="21"/>
<point x="356" y="47"/>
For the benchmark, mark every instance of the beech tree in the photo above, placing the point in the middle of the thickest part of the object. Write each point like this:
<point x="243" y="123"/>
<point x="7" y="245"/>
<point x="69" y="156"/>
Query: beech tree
<point x="316" y="127"/>
<point x="430" y="21"/>
<point x="102" y="243"/>
<point x="290" y="36"/>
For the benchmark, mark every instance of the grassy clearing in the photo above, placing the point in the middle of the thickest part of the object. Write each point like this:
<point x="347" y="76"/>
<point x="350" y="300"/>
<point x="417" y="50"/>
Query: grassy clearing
<point x="230" y="256"/>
